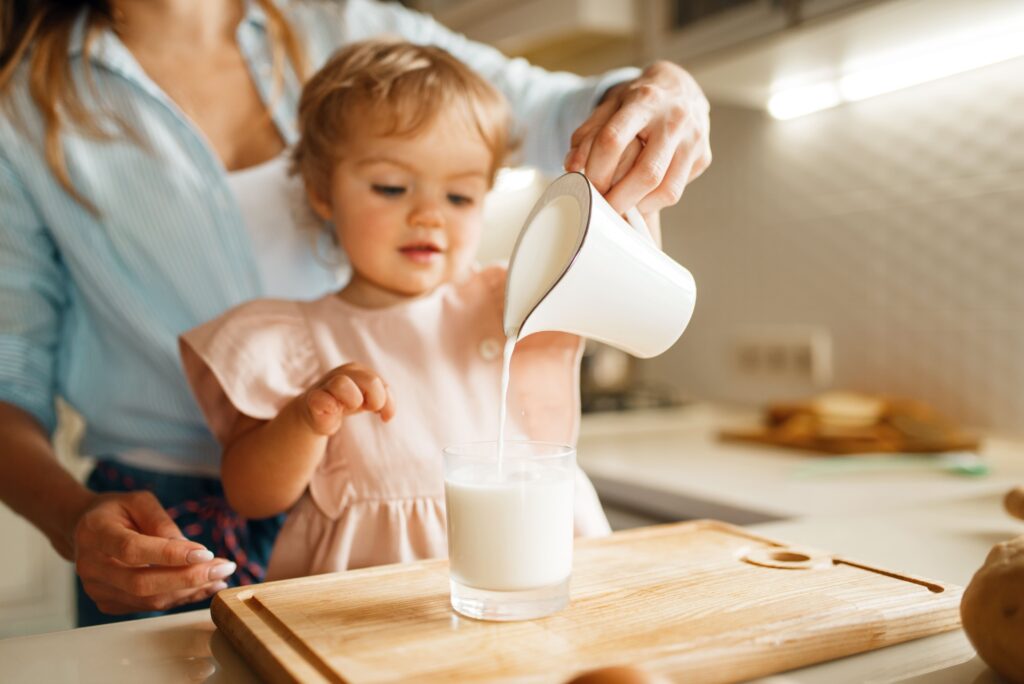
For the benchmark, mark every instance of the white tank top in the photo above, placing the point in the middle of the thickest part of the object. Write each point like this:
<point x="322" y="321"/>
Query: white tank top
<point x="293" y="251"/>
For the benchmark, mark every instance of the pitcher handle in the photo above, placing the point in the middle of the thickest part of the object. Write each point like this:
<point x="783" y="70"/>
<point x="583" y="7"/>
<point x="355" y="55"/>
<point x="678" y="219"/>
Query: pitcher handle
<point x="634" y="219"/>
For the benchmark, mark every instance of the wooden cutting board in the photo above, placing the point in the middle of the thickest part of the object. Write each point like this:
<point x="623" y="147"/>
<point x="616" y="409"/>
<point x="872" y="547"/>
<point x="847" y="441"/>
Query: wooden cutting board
<point x="698" y="601"/>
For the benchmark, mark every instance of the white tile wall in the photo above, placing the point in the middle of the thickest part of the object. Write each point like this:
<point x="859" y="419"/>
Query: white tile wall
<point x="897" y="223"/>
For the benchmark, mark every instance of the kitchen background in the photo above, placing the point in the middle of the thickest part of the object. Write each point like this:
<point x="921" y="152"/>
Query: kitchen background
<point x="876" y="245"/>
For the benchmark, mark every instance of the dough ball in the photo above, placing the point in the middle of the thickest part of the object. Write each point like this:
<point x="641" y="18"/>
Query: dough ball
<point x="1014" y="502"/>
<point x="992" y="610"/>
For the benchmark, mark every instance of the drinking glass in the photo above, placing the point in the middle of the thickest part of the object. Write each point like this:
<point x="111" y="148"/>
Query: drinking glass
<point x="510" y="528"/>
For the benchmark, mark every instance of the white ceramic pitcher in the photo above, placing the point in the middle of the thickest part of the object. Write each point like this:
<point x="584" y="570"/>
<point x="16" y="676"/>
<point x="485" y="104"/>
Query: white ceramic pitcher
<point x="578" y="267"/>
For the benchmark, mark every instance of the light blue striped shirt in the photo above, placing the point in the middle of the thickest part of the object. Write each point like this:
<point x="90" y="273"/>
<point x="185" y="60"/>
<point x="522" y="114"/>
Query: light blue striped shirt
<point x="91" y="307"/>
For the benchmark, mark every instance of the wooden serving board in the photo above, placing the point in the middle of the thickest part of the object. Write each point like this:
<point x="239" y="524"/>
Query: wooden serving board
<point x="862" y="444"/>
<point x="698" y="601"/>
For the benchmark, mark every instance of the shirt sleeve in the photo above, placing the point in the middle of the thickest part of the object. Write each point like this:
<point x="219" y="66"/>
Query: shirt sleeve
<point x="33" y="294"/>
<point x="547" y="106"/>
<point x="250" y="361"/>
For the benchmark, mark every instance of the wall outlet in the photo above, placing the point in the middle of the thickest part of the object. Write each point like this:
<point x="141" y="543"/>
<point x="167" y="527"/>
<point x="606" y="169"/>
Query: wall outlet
<point x="784" y="353"/>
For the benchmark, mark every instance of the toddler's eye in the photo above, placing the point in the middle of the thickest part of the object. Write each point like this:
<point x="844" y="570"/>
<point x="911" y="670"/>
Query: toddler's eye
<point x="460" y="200"/>
<point x="388" y="190"/>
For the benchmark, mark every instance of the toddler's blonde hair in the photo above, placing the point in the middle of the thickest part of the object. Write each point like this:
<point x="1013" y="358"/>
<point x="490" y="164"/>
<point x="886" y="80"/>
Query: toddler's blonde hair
<point x="391" y="88"/>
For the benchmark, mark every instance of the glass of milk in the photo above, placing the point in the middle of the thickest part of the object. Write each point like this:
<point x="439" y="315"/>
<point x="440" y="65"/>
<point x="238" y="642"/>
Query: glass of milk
<point x="510" y="528"/>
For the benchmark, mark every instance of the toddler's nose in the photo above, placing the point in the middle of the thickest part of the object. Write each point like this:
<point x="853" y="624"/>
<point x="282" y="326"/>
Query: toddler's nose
<point x="426" y="215"/>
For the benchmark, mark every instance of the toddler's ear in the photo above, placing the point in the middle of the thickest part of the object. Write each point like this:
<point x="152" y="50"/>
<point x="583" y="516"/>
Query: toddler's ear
<point x="321" y="206"/>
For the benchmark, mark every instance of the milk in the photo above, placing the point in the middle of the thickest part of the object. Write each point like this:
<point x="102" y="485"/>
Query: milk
<point x="506" y="366"/>
<point x="510" y="531"/>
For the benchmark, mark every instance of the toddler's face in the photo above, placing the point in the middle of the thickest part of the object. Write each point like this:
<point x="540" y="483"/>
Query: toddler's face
<point x="407" y="210"/>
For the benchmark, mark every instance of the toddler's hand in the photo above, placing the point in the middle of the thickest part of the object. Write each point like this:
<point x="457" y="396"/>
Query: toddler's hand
<point x="346" y="390"/>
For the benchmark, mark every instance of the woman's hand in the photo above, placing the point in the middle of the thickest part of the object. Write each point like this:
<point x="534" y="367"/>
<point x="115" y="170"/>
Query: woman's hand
<point x="346" y="390"/>
<point x="132" y="557"/>
<point x="652" y="133"/>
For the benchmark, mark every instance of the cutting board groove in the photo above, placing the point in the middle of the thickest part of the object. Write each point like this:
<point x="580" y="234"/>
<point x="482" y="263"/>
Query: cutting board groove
<point x="697" y="601"/>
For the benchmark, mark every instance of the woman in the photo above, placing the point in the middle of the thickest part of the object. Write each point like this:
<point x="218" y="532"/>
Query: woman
<point x="142" y="192"/>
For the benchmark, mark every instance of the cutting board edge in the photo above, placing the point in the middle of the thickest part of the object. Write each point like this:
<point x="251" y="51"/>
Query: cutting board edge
<point x="839" y="447"/>
<point x="267" y="656"/>
<point x="792" y="656"/>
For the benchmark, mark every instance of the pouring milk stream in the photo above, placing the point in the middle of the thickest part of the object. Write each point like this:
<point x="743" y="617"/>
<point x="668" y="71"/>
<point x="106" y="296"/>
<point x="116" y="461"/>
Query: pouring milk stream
<point x="578" y="267"/>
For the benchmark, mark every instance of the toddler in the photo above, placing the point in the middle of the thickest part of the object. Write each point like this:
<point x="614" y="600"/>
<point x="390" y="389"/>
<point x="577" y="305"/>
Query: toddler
<point x="337" y="409"/>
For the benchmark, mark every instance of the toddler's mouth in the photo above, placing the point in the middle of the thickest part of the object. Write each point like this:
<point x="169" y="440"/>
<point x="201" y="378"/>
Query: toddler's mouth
<point x="421" y="252"/>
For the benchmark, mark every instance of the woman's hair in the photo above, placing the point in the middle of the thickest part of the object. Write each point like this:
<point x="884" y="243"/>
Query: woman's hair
<point x="394" y="88"/>
<point x="41" y="30"/>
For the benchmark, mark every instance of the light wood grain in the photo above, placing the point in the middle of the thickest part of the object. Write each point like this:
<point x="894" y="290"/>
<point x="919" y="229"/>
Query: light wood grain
<point x="698" y="601"/>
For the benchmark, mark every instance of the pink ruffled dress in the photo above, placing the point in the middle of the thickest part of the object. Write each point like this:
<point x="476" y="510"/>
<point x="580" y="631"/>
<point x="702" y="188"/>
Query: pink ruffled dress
<point x="377" y="496"/>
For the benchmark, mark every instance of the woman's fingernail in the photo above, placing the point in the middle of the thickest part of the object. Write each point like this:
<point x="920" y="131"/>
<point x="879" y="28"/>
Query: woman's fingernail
<point x="221" y="570"/>
<point x="199" y="556"/>
<point x="218" y="586"/>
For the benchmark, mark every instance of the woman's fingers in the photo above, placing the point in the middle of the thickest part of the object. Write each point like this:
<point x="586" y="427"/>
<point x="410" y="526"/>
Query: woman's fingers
<point x="148" y="582"/>
<point x="646" y="174"/>
<point x="629" y="157"/>
<point x="133" y="548"/>
<point x="690" y="161"/>
<point x="583" y="138"/>
<point x="115" y="601"/>
<point x="671" y="188"/>
<point x="611" y="140"/>
<point x="151" y="518"/>
<point x="112" y="525"/>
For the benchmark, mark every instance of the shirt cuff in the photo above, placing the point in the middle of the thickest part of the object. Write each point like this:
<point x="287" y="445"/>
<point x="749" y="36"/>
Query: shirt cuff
<point x="25" y="380"/>
<point x="609" y="80"/>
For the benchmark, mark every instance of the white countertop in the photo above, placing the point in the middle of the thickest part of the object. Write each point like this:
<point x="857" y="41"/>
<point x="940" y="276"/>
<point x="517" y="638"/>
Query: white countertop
<point x="672" y="463"/>
<point x="933" y="525"/>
